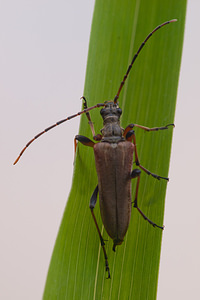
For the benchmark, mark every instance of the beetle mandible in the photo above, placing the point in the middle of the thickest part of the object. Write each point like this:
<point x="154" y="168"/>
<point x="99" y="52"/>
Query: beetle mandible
<point x="113" y="153"/>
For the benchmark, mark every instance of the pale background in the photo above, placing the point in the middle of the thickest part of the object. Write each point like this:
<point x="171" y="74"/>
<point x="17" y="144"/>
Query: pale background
<point x="43" y="54"/>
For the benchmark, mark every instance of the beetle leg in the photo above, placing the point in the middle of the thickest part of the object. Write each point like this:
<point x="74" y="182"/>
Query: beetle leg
<point x="150" y="173"/>
<point x="153" y="128"/>
<point x="97" y="137"/>
<point x="136" y="173"/>
<point x="130" y="127"/>
<point x="127" y="129"/>
<point x="83" y="140"/>
<point x="93" y="201"/>
<point x="88" y="116"/>
<point x="130" y="136"/>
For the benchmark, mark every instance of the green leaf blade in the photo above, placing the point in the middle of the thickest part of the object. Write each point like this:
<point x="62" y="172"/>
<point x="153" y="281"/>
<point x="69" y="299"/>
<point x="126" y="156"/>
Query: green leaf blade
<point x="77" y="269"/>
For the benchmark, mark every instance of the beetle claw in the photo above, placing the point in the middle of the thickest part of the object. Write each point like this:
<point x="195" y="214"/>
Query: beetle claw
<point x="159" y="177"/>
<point x="108" y="270"/>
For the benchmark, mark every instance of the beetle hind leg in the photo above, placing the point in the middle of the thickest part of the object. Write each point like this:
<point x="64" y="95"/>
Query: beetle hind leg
<point x="136" y="173"/>
<point x="93" y="201"/>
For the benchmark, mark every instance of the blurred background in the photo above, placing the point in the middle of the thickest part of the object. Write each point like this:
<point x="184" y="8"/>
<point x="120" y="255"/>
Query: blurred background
<point x="43" y="55"/>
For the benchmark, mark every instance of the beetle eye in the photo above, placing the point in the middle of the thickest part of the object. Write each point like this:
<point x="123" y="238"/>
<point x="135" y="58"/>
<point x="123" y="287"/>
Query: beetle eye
<point x="102" y="111"/>
<point x="119" y="111"/>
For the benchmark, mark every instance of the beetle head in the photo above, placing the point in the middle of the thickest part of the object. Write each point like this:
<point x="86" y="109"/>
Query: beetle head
<point x="111" y="111"/>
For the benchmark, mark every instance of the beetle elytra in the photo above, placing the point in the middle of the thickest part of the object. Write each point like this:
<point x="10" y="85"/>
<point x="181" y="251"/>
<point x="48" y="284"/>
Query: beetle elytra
<point x="113" y="153"/>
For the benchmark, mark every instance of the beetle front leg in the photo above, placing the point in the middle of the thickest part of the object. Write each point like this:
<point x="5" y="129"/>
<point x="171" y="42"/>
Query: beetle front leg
<point x="97" y="137"/>
<point x="93" y="201"/>
<point x="130" y="136"/>
<point x="136" y="173"/>
<point x="88" y="116"/>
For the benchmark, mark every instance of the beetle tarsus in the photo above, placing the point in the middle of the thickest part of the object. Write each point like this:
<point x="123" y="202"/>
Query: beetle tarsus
<point x="147" y="219"/>
<point x="108" y="270"/>
<point x="158" y="177"/>
<point x="149" y="128"/>
<point x="150" y="173"/>
<point x="102" y="241"/>
<point x="170" y="125"/>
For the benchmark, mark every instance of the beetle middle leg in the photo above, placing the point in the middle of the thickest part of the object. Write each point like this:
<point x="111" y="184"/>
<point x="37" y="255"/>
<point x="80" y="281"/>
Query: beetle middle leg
<point x="130" y="136"/>
<point x="93" y="201"/>
<point x="136" y="173"/>
<point x="83" y="140"/>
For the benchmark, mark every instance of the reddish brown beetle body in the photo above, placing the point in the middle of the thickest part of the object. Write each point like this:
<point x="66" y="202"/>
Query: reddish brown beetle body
<point x="114" y="163"/>
<point x="114" y="160"/>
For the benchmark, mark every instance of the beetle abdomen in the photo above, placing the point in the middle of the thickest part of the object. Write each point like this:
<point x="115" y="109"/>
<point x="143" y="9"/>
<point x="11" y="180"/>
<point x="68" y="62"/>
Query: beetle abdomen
<point x="114" y="165"/>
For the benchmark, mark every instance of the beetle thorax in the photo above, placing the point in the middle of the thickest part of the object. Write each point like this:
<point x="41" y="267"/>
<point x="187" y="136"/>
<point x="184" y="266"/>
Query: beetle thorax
<point x="112" y="131"/>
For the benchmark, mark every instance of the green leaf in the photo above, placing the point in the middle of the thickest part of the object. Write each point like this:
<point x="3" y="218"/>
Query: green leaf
<point x="77" y="268"/>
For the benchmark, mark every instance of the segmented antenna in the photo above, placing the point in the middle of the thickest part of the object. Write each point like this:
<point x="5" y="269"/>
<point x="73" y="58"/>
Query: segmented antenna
<point x="136" y="55"/>
<point x="56" y="124"/>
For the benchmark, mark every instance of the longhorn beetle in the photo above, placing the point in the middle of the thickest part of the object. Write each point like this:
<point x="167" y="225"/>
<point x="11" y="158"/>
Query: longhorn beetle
<point x="113" y="158"/>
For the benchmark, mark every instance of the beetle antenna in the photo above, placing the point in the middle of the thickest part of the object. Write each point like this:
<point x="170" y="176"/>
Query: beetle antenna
<point x="56" y="124"/>
<point x="136" y="55"/>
